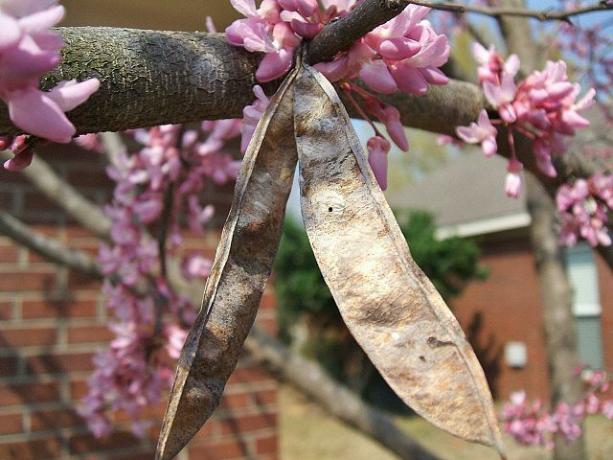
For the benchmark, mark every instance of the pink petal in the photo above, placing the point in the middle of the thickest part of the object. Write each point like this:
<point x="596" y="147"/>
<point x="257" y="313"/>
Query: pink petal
<point x="20" y="161"/>
<point x="334" y="70"/>
<point x="434" y="76"/>
<point x="409" y="79"/>
<point x="398" y="48"/>
<point x="10" y="32"/>
<point x="395" y="128"/>
<point x="377" y="158"/>
<point x="34" y="112"/>
<point x="245" y="7"/>
<point x="306" y="29"/>
<point x="377" y="76"/>
<point x="274" y="65"/>
<point x="70" y="94"/>
<point x="489" y="146"/>
<point x="42" y="20"/>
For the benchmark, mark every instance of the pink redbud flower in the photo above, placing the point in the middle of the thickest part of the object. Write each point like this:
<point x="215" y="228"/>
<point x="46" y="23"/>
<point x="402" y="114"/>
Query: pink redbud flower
<point x="378" y="148"/>
<point x="409" y="53"/>
<point x="28" y="50"/>
<point x="251" y="115"/>
<point x="482" y="132"/>
<point x="513" y="180"/>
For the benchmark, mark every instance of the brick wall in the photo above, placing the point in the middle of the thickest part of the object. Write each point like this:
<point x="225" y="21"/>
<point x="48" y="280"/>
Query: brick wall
<point x="507" y="307"/>
<point x="53" y="321"/>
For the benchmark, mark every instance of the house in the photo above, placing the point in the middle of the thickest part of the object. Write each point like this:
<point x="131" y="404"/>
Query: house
<point x="502" y="315"/>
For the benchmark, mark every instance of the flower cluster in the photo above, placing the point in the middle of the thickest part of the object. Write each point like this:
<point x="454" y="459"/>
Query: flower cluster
<point x="157" y="188"/>
<point x="402" y="55"/>
<point x="530" y="424"/>
<point x="584" y="207"/>
<point x="28" y="50"/>
<point x="543" y="107"/>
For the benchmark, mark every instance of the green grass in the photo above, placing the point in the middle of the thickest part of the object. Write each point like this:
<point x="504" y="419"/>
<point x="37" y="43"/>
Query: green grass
<point x="309" y="433"/>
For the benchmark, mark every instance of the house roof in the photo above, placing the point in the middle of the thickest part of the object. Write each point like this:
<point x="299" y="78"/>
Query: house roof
<point x="466" y="196"/>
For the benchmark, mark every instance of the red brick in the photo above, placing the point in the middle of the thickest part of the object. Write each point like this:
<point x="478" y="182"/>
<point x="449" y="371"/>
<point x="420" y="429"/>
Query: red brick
<point x="55" y="419"/>
<point x="268" y="301"/>
<point x="11" y="424"/>
<point x="39" y="281"/>
<point x="89" y="334"/>
<point x="268" y="324"/>
<point x="222" y="450"/>
<point x="27" y="337"/>
<point x="249" y="375"/>
<point x="267" y="445"/>
<point x="59" y="363"/>
<point x="28" y="393"/>
<point x="235" y="401"/>
<point x="83" y="443"/>
<point x="32" y="309"/>
<point x="78" y="389"/>
<point x="8" y="254"/>
<point x="246" y="423"/>
<point x="6" y="311"/>
<point x="77" y="280"/>
<point x="30" y="450"/>
<point x="265" y="397"/>
<point x="8" y="366"/>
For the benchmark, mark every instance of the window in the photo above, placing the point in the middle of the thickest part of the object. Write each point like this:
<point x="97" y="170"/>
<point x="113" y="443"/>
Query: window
<point x="586" y="304"/>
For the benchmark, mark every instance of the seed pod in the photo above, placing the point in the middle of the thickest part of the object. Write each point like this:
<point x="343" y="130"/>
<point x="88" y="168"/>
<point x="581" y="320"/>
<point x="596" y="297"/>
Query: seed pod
<point x="389" y="305"/>
<point x="242" y="265"/>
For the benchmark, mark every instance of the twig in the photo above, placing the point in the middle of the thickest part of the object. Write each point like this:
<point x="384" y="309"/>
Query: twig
<point x="541" y="15"/>
<point x="340" y="35"/>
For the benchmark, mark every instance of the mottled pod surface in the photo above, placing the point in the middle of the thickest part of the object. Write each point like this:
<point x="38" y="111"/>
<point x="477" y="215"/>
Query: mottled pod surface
<point x="387" y="302"/>
<point x="242" y="265"/>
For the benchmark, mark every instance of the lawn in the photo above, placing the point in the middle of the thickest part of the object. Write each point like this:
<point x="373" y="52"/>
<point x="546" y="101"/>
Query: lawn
<point x="309" y="433"/>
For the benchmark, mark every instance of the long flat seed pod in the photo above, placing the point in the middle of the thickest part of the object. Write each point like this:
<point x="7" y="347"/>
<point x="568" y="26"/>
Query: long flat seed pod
<point x="389" y="305"/>
<point x="242" y="265"/>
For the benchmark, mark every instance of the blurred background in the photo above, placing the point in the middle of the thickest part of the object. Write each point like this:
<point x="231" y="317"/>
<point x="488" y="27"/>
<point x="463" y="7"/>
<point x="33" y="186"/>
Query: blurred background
<point x="473" y="243"/>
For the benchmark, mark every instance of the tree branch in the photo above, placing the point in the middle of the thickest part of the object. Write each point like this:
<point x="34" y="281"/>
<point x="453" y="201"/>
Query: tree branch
<point x="47" y="247"/>
<point x="45" y="179"/>
<point x="341" y="34"/>
<point x="541" y="15"/>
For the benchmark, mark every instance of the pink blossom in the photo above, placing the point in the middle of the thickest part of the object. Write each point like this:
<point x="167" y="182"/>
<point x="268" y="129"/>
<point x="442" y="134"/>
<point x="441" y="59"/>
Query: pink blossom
<point x="531" y="424"/>
<point x="170" y="162"/>
<point x="482" y="132"/>
<point x="378" y="148"/>
<point x="196" y="266"/>
<point x="543" y="107"/>
<point x="28" y="50"/>
<point x="409" y="52"/>
<point x="583" y="208"/>
<point x="251" y="116"/>
<point x="513" y="180"/>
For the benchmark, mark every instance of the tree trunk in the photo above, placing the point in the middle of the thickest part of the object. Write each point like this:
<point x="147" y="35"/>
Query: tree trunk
<point x="556" y="292"/>
<point x="559" y="325"/>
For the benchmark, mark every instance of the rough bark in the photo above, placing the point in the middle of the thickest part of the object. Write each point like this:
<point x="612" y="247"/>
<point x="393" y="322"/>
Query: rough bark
<point x="556" y="291"/>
